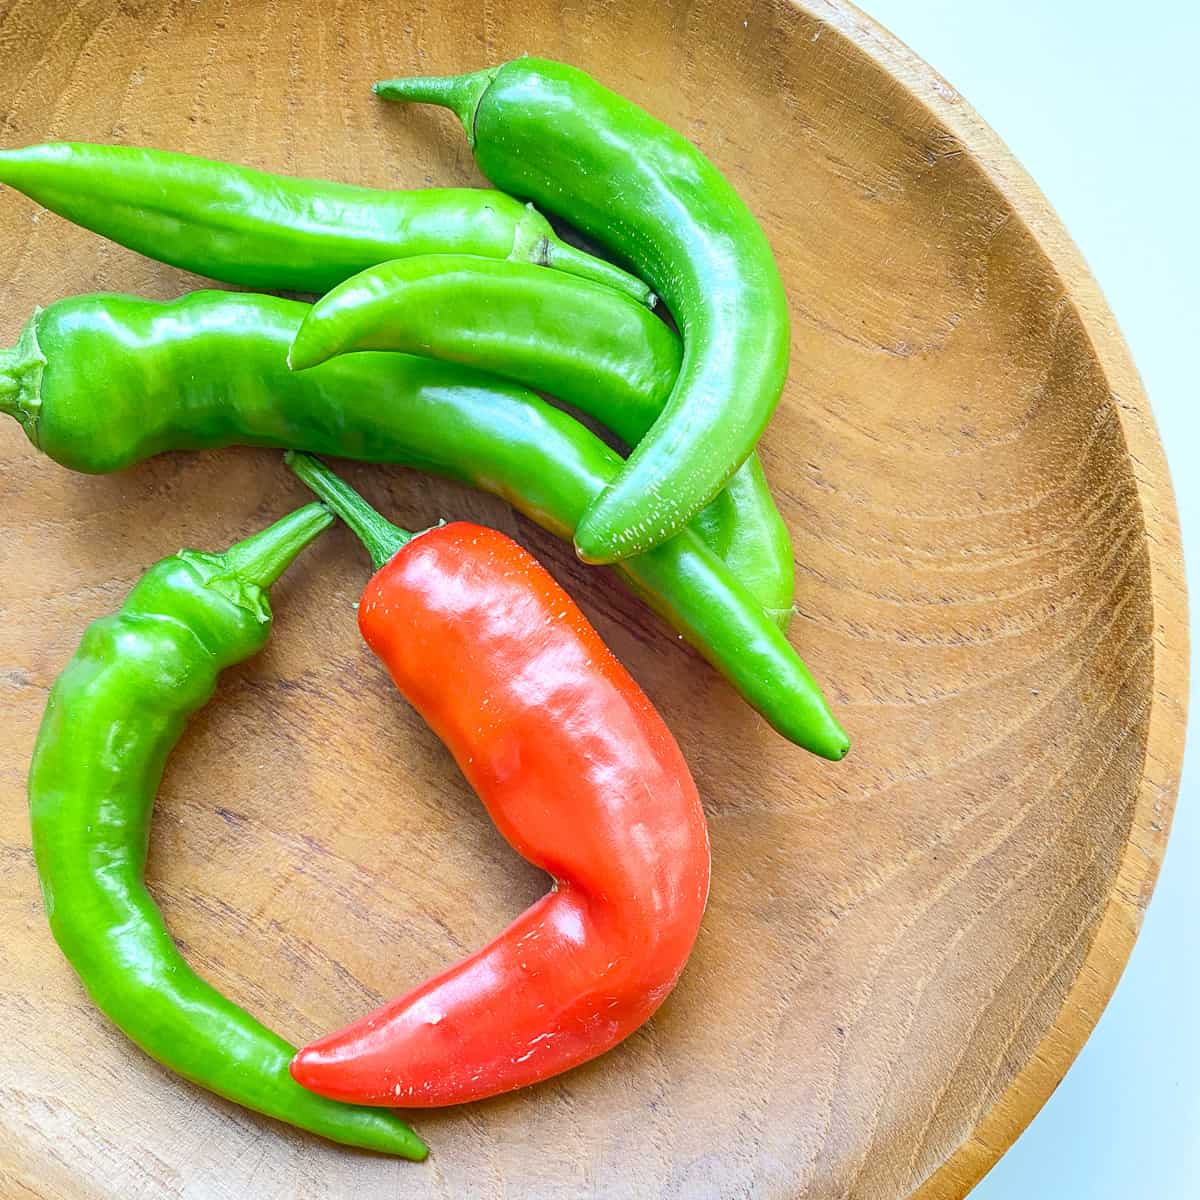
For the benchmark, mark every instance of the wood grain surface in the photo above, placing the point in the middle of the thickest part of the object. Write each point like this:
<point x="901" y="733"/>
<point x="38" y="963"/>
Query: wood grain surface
<point x="902" y="953"/>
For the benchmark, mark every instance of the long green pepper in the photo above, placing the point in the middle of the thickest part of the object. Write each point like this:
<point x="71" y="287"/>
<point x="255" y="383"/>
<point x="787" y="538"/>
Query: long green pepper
<point x="112" y="718"/>
<point x="277" y="232"/>
<point x="583" y="343"/>
<point x="548" y="132"/>
<point x="101" y="382"/>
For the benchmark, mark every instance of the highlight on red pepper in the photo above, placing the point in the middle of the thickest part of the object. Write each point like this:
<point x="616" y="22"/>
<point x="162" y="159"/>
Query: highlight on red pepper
<point x="580" y="775"/>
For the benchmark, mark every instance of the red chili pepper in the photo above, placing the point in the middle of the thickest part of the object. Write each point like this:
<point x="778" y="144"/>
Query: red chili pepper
<point x="580" y="775"/>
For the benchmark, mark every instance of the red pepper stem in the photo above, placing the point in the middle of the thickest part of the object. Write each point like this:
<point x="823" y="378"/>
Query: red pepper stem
<point x="381" y="538"/>
<point x="459" y="93"/>
<point x="262" y="558"/>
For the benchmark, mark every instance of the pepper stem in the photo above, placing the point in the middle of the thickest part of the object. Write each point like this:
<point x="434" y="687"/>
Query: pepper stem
<point x="262" y="558"/>
<point x="381" y="538"/>
<point x="459" y="93"/>
<point x="570" y="260"/>
<point x="21" y="378"/>
<point x="9" y="387"/>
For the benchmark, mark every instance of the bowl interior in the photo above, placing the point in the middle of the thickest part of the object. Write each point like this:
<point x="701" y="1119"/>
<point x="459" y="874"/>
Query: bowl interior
<point x="888" y="940"/>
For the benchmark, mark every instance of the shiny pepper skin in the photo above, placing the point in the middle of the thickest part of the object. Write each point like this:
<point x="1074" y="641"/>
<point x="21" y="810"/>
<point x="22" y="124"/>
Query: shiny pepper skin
<point x="278" y="232"/>
<point x="583" y="779"/>
<point x="552" y="134"/>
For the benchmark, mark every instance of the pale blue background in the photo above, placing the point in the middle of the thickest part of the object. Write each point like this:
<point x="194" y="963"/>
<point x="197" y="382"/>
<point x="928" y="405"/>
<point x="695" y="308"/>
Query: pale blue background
<point x="1099" y="100"/>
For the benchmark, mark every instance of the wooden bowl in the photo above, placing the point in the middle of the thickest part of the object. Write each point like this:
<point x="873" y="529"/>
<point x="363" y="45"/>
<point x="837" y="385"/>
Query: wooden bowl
<point x="902" y="953"/>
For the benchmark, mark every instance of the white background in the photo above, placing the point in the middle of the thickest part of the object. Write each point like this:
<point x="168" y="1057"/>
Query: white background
<point x="1099" y="101"/>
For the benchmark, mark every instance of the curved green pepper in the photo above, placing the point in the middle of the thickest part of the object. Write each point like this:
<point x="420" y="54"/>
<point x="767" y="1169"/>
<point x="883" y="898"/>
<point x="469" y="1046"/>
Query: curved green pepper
<point x="583" y="343"/>
<point x="112" y="718"/>
<point x="274" y="231"/>
<point x="100" y="382"/>
<point x="551" y="134"/>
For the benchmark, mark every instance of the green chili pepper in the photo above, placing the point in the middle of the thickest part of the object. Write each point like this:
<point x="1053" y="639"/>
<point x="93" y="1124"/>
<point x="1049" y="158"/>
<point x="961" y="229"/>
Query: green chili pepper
<point x="551" y="134"/>
<point x="585" y="344"/>
<point x="273" y="231"/>
<point x="112" y="718"/>
<point x="100" y="382"/>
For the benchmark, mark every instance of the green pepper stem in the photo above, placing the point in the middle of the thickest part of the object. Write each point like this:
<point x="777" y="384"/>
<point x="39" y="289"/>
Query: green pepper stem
<point x="21" y="378"/>
<point x="459" y="93"/>
<point x="562" y="256"/>
<point x="261" y="559"/>
<point x="381" y="538"/>
<point x="9" y="387"/>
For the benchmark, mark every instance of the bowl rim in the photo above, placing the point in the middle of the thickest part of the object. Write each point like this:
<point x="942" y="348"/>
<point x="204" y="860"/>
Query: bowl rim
<point x="999" y="1126"/>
